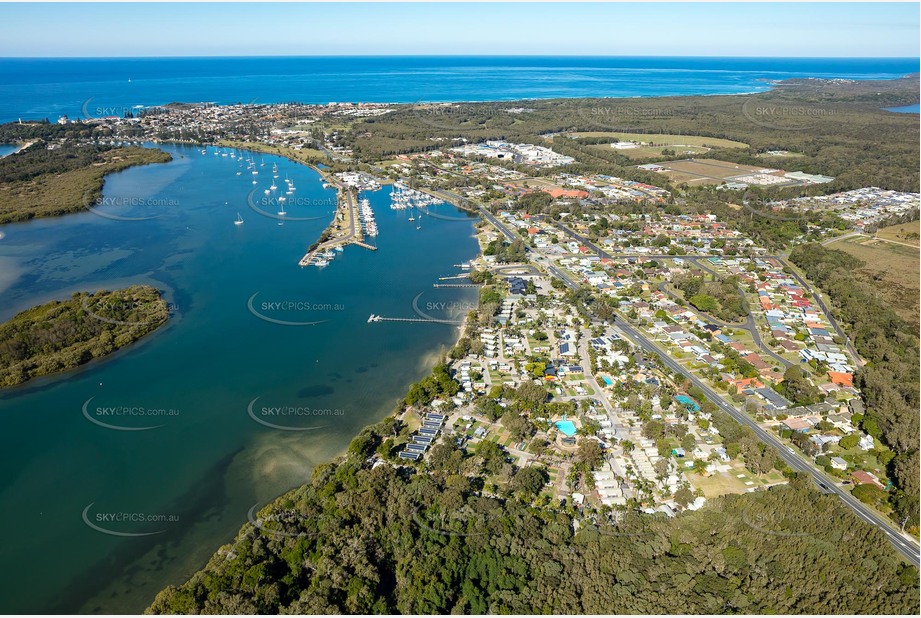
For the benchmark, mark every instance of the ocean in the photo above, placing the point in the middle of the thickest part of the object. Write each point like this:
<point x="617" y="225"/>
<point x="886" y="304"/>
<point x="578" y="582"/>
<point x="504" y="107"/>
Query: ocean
<point x="191" y="482"/>
<point x="79" y="87"/>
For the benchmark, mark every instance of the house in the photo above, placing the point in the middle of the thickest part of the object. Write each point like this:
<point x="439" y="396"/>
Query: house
<point x="841" y="379"/>
<point x="865" y="478"/>
<point x="866" y="443"/>
<point x="797" y="424"/>
<point x="838" y="464"/>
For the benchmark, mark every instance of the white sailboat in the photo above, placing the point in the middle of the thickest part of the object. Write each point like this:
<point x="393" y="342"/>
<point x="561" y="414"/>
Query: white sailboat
<point x="239" y="220"/>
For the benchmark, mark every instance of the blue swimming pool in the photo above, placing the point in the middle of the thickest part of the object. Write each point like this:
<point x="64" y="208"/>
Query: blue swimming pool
<point x="688" y="403"/>
<point x="607" y="380"/>
<point x="567" y="428"/>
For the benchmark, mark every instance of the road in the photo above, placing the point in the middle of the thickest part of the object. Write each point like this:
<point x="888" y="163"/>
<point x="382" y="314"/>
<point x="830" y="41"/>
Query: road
<point x="902" y="543"/>
<point x="802" y="283"/>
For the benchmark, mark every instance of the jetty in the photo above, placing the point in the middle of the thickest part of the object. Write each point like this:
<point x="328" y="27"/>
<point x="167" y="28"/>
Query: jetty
<point x="346" y="228"/>
<point x="380" y="318"/>
<point x="454" y="285"/>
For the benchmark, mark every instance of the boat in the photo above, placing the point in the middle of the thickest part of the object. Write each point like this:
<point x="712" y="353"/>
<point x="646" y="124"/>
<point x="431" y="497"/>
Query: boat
<point x="266" y="191"/>
<point x="239" y="220"/>
<point x="338" y="248"/>
<point x="254" y="182"/>
<point x="273" y="187"/>
<point x="320" y="262"/>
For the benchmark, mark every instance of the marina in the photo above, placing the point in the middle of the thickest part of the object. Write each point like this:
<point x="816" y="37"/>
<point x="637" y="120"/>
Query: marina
<point x="211" y="463"/>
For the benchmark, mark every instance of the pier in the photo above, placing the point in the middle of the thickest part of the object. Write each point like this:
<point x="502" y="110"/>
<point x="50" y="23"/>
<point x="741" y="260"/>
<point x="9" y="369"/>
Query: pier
<point x="465" y="276"/>
<point x="380" y="318"/>
<point x="454" y="285"/>
<point x="344" y="230"/>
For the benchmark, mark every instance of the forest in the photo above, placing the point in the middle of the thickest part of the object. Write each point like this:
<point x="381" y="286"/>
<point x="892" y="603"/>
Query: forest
<point x="847" y="136"/>
<point x="62" y="335"/>
<point x="386" y="539"/>
<point x="889" y="381"/>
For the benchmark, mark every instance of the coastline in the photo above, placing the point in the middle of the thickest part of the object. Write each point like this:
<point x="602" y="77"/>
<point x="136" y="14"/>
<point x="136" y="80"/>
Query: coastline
<point x="464" y="327"/>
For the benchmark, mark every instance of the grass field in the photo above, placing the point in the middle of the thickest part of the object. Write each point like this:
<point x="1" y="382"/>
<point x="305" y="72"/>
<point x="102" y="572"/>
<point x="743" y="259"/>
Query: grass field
<point x="737" y="481"/>
<point x="907" y="233"/>
<point x="705" y="171"/>
<point x="654" y="143"/>
<point x="891" y="268"/>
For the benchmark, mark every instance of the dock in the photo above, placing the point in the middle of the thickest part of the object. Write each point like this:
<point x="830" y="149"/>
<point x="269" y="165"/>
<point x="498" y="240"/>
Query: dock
<point x="380" y="318"/>
<point x="454" y="285"/>
<point x="345" y="229"/>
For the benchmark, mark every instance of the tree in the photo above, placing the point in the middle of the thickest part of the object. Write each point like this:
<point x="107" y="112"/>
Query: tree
<point x="589" y="452"/>
<point x="797" y="388"/>
<point x="684" y="497"/>
<point x="531" y="394"/>
<point x="849" y="441"/>
<point x="869" y="494"/>
<point x="530" y="481"/>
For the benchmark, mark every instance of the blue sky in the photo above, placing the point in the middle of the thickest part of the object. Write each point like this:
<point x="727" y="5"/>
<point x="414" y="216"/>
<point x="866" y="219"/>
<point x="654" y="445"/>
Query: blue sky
<point x="620" y="29"/>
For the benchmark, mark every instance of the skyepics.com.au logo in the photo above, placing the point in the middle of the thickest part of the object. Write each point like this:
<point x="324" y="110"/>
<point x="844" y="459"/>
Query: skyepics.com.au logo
<point x="127" y="523"/>
<point x="780" y="211"/>
<point x="456" y="116"/>
<point x="291" y="417"/>
<point x="120" y="417"/>
<point x="94" y="110"/>
<point x="288" y="208"/>
<point x="784" y="117"/>
<point x="442" y="312"/>
<point x="778" y="523"/>
<point x="286" y="311"/>
<point x="141" y="313"/>
<point x="128" y="208"/>
<point x="621" y="116"/>
<point x="278" y="524"/>
<point x="464" y="521"/>
<point x="467" y="207"/>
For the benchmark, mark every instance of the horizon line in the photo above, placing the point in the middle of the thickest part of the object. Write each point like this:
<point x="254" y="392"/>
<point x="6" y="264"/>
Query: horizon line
<point x="183" y="56"/>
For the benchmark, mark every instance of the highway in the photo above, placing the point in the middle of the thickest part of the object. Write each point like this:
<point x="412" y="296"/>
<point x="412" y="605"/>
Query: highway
<point x="902" y="543"/>
<point x="905" y="546"/>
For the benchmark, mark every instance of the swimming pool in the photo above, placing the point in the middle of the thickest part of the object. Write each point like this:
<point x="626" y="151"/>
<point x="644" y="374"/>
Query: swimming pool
<point x="567" y="428"/>
<point x="607" y="380"/>
<point x="688" y="403"/>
